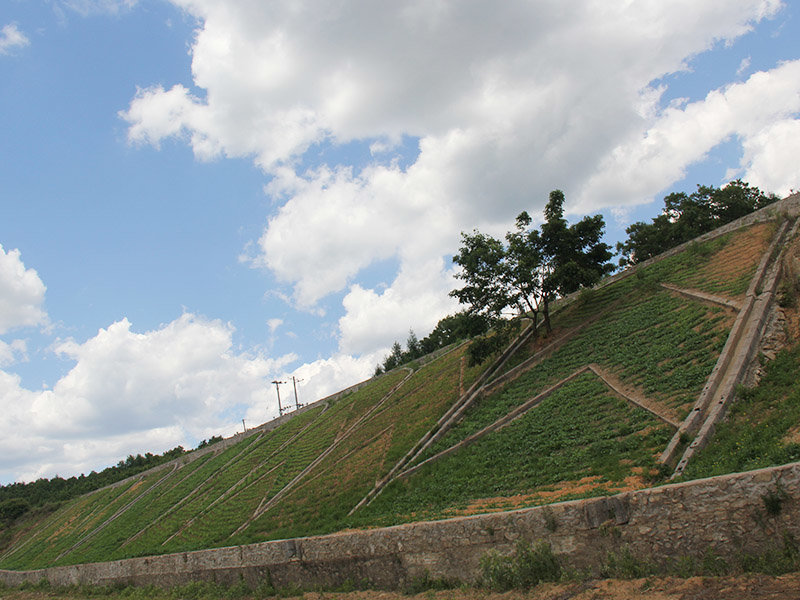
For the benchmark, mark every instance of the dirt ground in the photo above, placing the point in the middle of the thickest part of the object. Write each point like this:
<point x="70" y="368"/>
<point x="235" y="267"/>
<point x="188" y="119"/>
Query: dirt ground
<point x="747" y="587"/>
<point x="742" y="587"/>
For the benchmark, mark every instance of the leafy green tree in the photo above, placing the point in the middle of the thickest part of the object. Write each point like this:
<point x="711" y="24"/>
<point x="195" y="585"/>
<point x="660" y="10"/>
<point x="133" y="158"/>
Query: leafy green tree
<point x="523" y="267"/>
<point x="12" y="509"/>
<point x="572" y="256"/>
<point x="531" y="269"/>
<point x="454" y="328"/>
<point x="686" y="216"/>
<point x="485" y="291"/>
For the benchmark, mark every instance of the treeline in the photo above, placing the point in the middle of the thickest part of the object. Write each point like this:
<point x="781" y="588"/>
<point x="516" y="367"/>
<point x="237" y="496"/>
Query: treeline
<point x="450" y="329"/>
<point x="687" y="216"/>
<point x="18" y="498"/>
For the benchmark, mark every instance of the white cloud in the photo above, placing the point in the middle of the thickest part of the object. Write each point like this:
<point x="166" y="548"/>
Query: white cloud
<point x="762" y="112"/>
<point x="770" y="157"/>
<point x="337" y="223"/>
<point x="11" y="353"/>
<point x="508" y="102"/>
<point x="273" y="324"/>
<point x="126" y="389"/>
<point x="417" y="299"/>
<point x="21" y="293"/>
<point x="744" y="65"/>
<point x="11" y="37"/>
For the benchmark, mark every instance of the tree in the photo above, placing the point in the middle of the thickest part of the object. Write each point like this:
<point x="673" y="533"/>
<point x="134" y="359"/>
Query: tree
<point x="532" y="268"/>
<point x="686" y="216"/>
<point x="481" y="260"/>
<point x="413" y="348"/>
<point x="572" y="256"/>
<point x="523" y="264"/>
<point x="453" y="328"/>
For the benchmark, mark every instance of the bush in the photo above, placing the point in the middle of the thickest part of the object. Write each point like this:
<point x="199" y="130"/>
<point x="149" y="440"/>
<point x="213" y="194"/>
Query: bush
<point x="624" y="565"/>
<point x="528" y="566"/>
<point x="12" y="509"/>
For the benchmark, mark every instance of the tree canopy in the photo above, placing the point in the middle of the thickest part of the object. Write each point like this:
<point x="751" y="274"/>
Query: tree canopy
<point x="686" y="216"/>
<point x="522" y="275"/>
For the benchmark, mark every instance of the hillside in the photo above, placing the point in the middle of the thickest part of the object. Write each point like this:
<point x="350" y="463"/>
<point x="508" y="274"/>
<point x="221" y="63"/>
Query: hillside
<point x="627" y="391"/>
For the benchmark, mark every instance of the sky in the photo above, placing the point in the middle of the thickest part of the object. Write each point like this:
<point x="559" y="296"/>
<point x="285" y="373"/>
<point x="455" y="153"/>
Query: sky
<point x="198" y="198"/>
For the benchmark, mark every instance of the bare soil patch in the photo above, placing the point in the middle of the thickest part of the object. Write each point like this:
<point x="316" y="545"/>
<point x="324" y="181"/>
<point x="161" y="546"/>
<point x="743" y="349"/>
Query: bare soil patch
<point x="742" y="253"/>
<point x="741" y="587"/>
<point x="553" y="493"/>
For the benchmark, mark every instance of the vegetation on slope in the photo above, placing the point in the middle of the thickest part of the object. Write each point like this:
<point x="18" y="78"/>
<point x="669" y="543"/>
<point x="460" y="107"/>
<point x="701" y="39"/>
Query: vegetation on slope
<point x="583" y="431"/>
<point x="323" y="459"/>
<point x="306" y="476"/>
<point x="321" y="502"/>
<point x="763" y="428"/>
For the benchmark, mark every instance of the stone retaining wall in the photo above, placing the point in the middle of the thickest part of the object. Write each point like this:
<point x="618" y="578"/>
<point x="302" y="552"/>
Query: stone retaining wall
<point x="727" y="514"/>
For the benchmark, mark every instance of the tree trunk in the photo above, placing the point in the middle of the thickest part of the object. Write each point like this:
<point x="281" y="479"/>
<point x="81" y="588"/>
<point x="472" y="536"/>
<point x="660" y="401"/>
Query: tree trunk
<point x="547" y="325"/>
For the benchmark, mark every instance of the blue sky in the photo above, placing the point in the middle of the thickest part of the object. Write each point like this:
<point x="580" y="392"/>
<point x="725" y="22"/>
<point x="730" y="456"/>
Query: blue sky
<point x="200" y="197"/>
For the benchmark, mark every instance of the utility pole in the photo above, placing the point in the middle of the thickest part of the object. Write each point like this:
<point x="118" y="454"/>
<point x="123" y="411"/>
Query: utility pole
<point x="297" y="405"/>
<point x="244" y="426"/>
<point x="278" y="390"/>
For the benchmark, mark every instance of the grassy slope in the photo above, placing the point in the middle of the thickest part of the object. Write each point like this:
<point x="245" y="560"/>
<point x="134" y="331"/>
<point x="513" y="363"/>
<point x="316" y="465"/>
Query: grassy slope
<point x="581" y="440"/>
<point x="763" y="427"/>
<point x="581" y="431"/>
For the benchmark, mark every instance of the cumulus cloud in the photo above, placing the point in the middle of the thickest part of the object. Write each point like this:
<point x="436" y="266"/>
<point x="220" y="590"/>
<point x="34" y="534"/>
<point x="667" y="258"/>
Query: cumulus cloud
<point x="761" y="112"/>
<point x="327" y="376"/>
<point x="11" y="353"/>
<point x="507" y="101"/>
<point x="21" y="293"/>
<point x="129" y="391"/>
<point x="417" y="297"/>
<point x="11" y="37"/>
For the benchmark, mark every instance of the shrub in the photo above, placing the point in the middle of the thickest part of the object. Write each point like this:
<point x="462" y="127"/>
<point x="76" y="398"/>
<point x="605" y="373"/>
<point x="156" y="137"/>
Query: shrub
<point x="12" y="509"/>
<point x="525" y="568"/>
<point x="624" y="565"/>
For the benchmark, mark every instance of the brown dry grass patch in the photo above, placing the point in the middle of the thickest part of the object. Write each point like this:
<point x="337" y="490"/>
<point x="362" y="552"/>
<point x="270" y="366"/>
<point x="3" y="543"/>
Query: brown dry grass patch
<point x="741" y="254"/>
<point x="564" y="490"/>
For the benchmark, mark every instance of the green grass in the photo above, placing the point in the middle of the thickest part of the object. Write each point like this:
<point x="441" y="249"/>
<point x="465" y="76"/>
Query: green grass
<point x="655" y="341"/>
<point x="759" y="428"/>
<point x="662" y="344"/>
<point x="320" y="503"/>
<point x="581" y="430"/>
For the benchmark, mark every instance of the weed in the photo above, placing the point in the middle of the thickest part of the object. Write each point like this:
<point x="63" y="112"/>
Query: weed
<point x="526" y="567"/>
<point x="550" y="521"/>
<point x="787" y="292"/>
<point x="586" y="296"/>
<point x="426" y="583"/>
<point x="625" y="565"/>
<point x="777" y="560"/>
